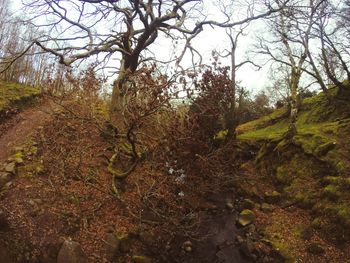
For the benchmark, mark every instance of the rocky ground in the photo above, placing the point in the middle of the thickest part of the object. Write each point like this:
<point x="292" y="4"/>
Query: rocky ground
<point x="56" y="204"/>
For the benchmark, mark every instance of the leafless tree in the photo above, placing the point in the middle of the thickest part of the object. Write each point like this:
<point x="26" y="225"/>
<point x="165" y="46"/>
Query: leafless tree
<point x="333" y="32"/>
<point x="290" y="46"/>
<point x="20" y="60"/>
<point x="80" y="29"/>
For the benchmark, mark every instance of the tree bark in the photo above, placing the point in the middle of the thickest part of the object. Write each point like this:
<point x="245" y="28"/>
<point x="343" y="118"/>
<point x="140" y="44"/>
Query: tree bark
<point x="118" y="100"/>
<point x="294" y="82"/>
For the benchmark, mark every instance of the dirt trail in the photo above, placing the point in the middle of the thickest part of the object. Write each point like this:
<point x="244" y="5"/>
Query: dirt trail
<point x="18" y="129"/>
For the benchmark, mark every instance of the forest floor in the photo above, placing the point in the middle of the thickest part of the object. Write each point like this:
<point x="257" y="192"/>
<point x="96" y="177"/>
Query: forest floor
<point x="44" y="208"/>
<point x="16" y="130"/>
<point x="62" y="190"/>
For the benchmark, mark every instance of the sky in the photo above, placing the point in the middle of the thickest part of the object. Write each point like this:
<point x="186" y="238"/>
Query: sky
<point x="216" y="39"/>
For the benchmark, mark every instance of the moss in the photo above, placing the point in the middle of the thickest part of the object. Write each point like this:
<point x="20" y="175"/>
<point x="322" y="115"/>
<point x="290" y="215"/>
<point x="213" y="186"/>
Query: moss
<point x="13" y="95"/>
<point x="323" y="149"/>
<point x="347" y="182"/>
<point x="141" y="259"/>
<point x="31" y="169"/>
<point x="331" y="191"/>
<point x="221" y="135"/>
<point x="343" y="214"/>
<point x="318" y="223"/>
<point x="335" y="180"/>
<point x="283" y="250"/>
<point x="303" y="232"/>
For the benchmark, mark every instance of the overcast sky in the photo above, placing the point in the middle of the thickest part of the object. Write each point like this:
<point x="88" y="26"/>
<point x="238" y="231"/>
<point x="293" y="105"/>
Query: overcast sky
<point x="216" y="39"/>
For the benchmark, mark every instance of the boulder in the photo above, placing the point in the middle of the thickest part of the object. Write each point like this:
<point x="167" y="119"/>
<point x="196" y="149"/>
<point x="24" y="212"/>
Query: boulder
<point x="71" y="252"/>
<point x="246" y="217"/>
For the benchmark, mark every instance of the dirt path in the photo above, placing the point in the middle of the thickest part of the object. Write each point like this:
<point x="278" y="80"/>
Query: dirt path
<point x="19" y="128"/>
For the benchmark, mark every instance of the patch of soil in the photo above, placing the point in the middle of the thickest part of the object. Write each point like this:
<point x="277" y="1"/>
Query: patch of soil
<point x="21" y="126"/>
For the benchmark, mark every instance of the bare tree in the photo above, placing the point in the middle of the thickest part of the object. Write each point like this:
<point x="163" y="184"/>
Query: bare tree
<point x="333" y="32"/>
<point x="292" y="30"/>
<point x="82" y="29"/>
<point x="20" y="60"/>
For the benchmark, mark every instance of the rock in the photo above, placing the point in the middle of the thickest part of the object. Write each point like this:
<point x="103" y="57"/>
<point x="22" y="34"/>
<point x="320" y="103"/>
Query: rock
<point x="187" y="246"/>
<point x="4" y="179"/>
<point x="267" y="208"/>
<point x="11" y="168"/>
<point x="4" y="224"/>
<point x="141" y="259"/>
<point x="272" y="197"/>
<point x="315" y="249"/>
<point x="247" y="204"/>
<point x="112" y="246"/>
<point x="229" y="204"/>
<point x="71" y="252"/>
<point x="246" y="217"/>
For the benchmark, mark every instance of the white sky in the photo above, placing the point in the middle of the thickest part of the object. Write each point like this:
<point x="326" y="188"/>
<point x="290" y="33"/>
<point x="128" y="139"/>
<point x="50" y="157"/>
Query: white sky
<point x="211" y="39"/>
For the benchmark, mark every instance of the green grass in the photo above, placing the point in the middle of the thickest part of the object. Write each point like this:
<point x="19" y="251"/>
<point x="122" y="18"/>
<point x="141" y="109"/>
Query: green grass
<point x="317" y="118"/>
<point x="12" y="94"/>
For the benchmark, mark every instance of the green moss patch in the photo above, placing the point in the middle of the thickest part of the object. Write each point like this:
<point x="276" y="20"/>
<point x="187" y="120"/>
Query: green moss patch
<point x="14" y="95"/>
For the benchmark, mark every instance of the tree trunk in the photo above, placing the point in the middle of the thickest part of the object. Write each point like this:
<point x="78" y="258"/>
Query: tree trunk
<point x="292" y="129"/>
<point x="118" y="101"/>
<point x="231" y="121"/>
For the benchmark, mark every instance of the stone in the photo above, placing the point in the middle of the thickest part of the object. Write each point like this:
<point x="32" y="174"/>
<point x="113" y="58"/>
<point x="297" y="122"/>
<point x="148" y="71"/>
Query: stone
<point x="229" y="204"/>
<point x="11" y="168"/>
<point x="273" y="197"/>
<point x="246" y="217"/>
<point x="247" y="204"/>
<point x="112" y="246"/>
<point x="71" y="252"/>
<point x="4" y="224"/>
<point x="140" y="259"/>
<point x="187" y="246"/>
<point x="267" y="208"/>
<point x="4" y="179"/>
<point x="315" y="249"/>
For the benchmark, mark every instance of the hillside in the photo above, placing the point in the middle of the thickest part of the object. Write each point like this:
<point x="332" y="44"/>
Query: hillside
<point x="14" y="96"/>
<point x="255" y="199"/>
<point x="310" y="176"/>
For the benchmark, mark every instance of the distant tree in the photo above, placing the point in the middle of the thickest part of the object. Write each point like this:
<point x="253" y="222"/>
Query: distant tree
<point x="20" y="60"/>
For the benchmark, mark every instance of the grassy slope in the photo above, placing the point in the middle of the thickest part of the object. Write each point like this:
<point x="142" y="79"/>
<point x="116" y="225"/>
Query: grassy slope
<point x="314" y="171"/>
<point x="12" y="95"/>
